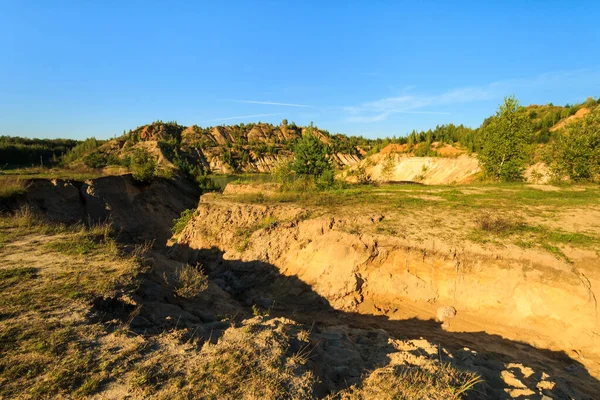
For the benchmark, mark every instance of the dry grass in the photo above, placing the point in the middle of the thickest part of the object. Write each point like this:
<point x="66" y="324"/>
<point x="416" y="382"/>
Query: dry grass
<point x="49" y="274"/>
<point x="191" y="281"/>
<point x="442" y="382"/>
<point x="12" y="186"/>
<point x="52" y="344"/>
<point x="490" y="222"/>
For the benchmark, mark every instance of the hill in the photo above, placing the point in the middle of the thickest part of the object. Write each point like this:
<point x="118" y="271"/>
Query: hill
<point x="258" y="147"/>
<point x="239" y="148"/>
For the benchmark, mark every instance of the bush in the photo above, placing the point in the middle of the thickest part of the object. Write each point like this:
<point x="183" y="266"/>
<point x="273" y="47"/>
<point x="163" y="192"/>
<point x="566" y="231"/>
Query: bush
<point x="362" y="176"/>
<point x="113" y="159"/>
<point x="282" y="172"/>
<point x="387" y="169"/>
<point x="191" y="281"/>
<point x="497" y="224"/>
<point x="326" y="179"/>
<point x="143" y="166"/>
<point x="180" y="223"/>
<point x="95" y="160"/>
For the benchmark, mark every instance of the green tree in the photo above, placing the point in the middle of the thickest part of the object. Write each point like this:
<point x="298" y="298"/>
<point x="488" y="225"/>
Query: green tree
<point x="575" y="151"/>
<point x="143" y="166"/>
<point x="311" y="155"/>
<point x="506" y="142"/>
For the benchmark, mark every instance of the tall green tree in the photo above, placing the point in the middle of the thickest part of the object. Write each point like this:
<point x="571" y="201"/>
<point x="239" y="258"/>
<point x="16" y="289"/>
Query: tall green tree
<point x="507" y="142"/>
<point x="311" y="155"/>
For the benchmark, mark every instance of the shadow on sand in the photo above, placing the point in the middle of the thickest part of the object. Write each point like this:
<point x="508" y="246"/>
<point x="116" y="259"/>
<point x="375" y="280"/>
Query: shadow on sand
<point x="492" y="356"/>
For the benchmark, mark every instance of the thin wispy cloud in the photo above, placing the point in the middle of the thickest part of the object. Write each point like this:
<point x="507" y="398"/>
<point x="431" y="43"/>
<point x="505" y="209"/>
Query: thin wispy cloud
<point x="273" y="103"/>
<point x="240" y="117"/>
<point x="410" y="103"/>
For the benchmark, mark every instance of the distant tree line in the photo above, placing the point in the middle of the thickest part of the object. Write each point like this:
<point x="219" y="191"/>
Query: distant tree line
<point x="25" y="152"/>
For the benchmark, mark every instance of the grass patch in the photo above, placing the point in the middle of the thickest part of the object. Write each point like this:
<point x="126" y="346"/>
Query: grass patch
<point x="557" y="252"/>
<point x="78" y="173"/>
<point x="491" y="228"/>
<point x="11" y="187"/>
<point x="46" y="348"/>
<point x="399" y="382"/>
<point x="81" y="244"/>
<point x="12" y="276"/>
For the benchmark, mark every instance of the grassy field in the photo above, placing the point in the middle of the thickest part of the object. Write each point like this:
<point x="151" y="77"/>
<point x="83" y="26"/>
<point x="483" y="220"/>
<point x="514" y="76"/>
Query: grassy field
<point x="49" y="275"/>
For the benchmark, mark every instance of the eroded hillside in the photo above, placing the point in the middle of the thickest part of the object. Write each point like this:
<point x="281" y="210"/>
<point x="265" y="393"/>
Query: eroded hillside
<point x="522" y="286"/>
<point x="313" y="297"/>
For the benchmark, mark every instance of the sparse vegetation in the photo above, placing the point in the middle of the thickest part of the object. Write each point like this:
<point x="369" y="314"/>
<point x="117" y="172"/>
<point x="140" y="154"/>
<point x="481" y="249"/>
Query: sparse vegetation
<point x="434" y="382"/>
<point x="11" y="187"/>
<point x="46" y="349"/>
<point x="387" y="169"/>
<point x="282" y="172"/>
<point x="191" y="281"/>
<point x="180" y="223"/>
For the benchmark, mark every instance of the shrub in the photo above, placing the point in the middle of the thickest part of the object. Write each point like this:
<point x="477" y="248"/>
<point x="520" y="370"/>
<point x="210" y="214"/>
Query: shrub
<point x="497" y="224"/>
<point x="143" y="166"/>
<point x="282" y="172"/>
<point x="191" y="281"/>
<point x="362" y="176"/>
<point x="326" y="179"/>
<point x="387" y="169"/>
<point x="180" y="223"/>
<point x="95" y="160"/>
<point x="113" y="159"/>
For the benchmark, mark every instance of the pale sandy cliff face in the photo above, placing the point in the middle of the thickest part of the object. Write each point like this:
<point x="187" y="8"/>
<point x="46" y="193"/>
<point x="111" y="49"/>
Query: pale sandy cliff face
<point x="426" y="170"/>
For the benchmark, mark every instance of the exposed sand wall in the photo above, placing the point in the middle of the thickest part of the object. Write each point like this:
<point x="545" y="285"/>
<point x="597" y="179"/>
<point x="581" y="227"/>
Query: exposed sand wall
<point x="549" y="305"/>
<point x="427" y="170"/>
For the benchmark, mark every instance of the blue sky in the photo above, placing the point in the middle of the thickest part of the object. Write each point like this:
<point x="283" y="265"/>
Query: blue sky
<point x="376" y="68"/>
